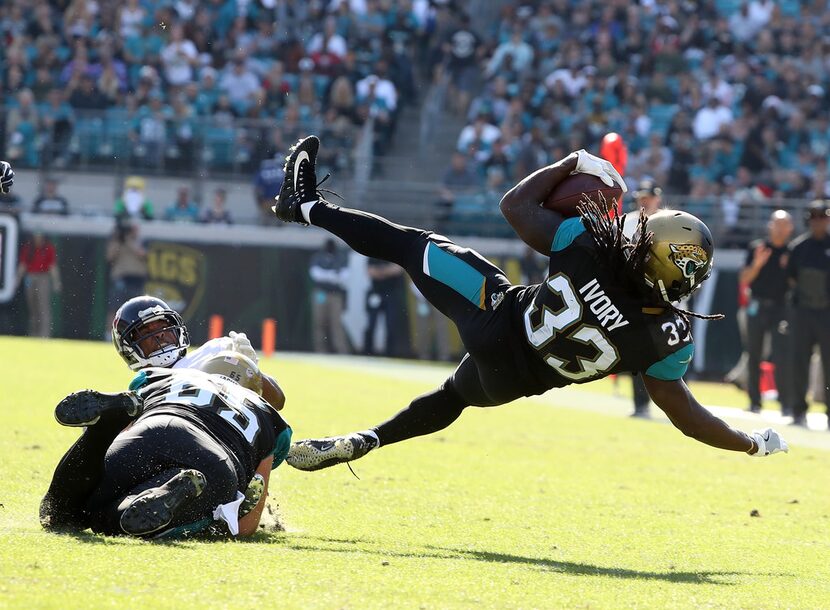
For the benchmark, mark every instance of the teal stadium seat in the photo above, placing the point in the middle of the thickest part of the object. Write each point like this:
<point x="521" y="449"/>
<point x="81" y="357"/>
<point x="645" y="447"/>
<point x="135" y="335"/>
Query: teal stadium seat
<point x="661" y="116"/>
<point x="218" y="146"/>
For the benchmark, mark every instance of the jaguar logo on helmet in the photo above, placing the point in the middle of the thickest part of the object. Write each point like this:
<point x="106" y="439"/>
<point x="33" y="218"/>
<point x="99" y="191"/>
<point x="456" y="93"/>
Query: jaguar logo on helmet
<point x="688" y="258"/>
<point x="680" y="254"/>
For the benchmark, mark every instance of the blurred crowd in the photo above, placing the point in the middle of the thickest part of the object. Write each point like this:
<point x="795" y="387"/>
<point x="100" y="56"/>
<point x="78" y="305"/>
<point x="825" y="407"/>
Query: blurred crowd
<point x="721" y="100"/>
<point x="181" y="84"/>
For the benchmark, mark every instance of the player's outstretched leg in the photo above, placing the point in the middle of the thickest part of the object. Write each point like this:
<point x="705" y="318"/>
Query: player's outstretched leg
<point x="426" y="414"/>
<point x="86" y="407"/>
<point x="154" y="509"/>
<point x="367" y="234"/>
<point x="457" y="281"/>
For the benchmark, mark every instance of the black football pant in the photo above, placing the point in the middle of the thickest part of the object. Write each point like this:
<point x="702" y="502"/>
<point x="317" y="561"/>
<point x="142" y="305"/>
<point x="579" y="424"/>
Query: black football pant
<point x="144" y="456"/>
<point x="809" y="328"/>
<point x="768" y="320"/>
<point x="78" y="473"/>
<point x="462" y="285"/>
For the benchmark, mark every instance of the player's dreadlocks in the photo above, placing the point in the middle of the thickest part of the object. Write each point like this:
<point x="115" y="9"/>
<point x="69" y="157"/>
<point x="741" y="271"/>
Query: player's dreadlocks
<point x="624" y="258"/>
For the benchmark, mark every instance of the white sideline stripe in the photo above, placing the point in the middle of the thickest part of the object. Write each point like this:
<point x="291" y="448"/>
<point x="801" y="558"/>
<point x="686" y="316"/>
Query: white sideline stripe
<point x="577" y="398"/>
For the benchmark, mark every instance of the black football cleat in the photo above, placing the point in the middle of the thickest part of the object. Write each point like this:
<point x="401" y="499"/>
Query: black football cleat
<point x="315" y="454"/>
<point x="300" y="183"/>
<point x="154" y="509"/>
<point x="86" y="407"/>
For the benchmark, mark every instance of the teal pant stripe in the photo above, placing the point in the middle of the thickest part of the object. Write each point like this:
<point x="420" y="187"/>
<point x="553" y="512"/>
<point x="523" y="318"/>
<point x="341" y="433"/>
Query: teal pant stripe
<point x="188" y="529"/>
<point x="568" y="231"/>
<point x="281" y="447"/>
<point x="455" y="273"/>
<point x="673" y="366"/>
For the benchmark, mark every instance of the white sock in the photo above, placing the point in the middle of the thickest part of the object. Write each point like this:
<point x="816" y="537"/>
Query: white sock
<point x="305" y="210"/>
<point x="371" y="434"/>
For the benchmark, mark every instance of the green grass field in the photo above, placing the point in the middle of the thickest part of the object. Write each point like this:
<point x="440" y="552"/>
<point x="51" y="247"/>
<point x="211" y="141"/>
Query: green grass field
<point x="560" y="502"/>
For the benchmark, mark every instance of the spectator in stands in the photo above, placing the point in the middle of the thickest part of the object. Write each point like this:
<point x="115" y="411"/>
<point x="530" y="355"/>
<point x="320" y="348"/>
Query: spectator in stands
<point x="86" y="96"/>
<point x="463" y="50"/>
<point x="329" y="276"/>
<point x="377" y="101"/>
<point x="217" y="213"/>
<point x="38" y="271"/>
<point x="22" y="126"/>
<point x="131" y="18"/>
<point x="328" y="41"/>
<point x="710" y="119"/>
<point x="519" y="52"/>
<point x="179" y="58"/>
<point x="127" y="259"/>
<point x="481" y="133"/>
<point x="184" y="209"/>
<point x="239" y="83"/>
<point x="49" y="201"/>
<point x="267" y="184"/>
<point x="56" y="122"/>
<point x="133" y="203"/>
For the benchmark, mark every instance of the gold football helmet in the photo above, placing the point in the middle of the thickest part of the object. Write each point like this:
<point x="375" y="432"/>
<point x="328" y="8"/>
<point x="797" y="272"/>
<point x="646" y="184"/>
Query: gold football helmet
<point x="234" y="366"/>
<point x="680" y="256"/>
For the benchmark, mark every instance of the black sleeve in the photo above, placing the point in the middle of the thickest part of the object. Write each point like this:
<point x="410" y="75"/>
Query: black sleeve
<point x="750" y="253"/>
<point x="792" y="262"/>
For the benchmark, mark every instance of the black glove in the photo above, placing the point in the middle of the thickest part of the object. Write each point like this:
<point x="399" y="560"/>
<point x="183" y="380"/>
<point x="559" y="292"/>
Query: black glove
<point x="6" y="177"/>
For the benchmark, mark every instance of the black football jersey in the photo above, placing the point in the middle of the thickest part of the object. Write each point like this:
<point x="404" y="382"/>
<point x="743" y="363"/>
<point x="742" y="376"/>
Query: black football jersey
<point x="581" y="323"/>
<point x="239" y="419"/>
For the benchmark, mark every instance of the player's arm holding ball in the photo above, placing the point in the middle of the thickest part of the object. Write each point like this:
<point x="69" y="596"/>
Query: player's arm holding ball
<point x="527" y="208"/>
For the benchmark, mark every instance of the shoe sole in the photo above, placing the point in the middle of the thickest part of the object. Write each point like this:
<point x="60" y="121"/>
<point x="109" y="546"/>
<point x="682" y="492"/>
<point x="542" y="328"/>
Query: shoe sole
<point x="305" y="456"/>
<point x="86" y="407"/>
<point x="252" y="495"/>
<point x="155" y="508"/>
<point x="310" y="145"/>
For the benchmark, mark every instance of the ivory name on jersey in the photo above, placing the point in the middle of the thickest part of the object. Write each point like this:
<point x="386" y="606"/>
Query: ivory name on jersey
<point x="582" y="323"/>
<point x="239" y="419"/>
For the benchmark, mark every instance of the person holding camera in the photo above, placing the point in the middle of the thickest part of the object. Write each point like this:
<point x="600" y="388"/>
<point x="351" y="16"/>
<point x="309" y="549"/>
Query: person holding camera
<point x="127" y="259"/>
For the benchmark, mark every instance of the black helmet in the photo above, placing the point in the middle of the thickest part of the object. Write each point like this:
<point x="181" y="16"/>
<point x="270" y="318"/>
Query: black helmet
<point x="129" y="332"/>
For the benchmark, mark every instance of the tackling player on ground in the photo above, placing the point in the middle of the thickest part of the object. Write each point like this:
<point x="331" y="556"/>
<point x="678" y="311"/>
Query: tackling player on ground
<point x="605" y="308"/>
<point x="186" y="443"/>
<point x="146" y="333"/>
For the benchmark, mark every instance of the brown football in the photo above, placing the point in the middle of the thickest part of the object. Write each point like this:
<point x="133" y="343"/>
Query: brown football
<point x="568" y="194"/>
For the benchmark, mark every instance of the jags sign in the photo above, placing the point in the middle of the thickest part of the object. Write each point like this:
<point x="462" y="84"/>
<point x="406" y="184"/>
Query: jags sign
<point x="176" y="274"/>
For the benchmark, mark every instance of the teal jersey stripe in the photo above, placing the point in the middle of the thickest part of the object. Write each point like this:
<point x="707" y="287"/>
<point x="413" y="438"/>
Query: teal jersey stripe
<point x="568" y="231"/>
<point x="138" y="381"/>
<point x="281" y="446"/>
<point x="455" y="273"/>
<point x="673" y="366"/>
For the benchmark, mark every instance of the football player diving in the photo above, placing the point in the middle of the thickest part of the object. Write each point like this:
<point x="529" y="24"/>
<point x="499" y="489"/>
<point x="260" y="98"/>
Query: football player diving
<point x="171" y="456"/>
<point x="606" y="307"/>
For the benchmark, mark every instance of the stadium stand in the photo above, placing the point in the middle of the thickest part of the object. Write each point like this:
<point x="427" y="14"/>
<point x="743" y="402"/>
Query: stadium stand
<point x="720" y="100"/>
<point x="213" y="86"/>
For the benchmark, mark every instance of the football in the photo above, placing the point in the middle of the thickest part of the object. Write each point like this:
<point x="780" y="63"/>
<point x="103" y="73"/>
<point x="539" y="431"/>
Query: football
<point x="569" y="194"/>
